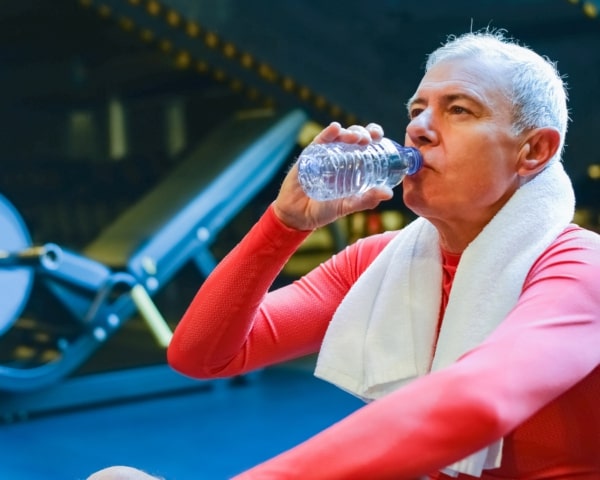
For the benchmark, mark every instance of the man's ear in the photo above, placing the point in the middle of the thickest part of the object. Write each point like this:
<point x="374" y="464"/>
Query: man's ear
<point x="539" y="147"/>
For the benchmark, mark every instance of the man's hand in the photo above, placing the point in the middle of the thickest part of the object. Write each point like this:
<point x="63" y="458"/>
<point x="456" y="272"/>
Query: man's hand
<point x="296" y="210"/>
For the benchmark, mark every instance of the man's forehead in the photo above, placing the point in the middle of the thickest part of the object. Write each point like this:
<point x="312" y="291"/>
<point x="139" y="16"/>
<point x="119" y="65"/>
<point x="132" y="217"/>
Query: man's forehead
<point x="466" y="78"/>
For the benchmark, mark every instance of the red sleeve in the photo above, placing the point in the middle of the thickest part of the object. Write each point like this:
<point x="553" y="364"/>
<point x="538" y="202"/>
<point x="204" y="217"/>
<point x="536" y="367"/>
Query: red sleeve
<point x="233" y="326"/>
<point x="546" y="345"/>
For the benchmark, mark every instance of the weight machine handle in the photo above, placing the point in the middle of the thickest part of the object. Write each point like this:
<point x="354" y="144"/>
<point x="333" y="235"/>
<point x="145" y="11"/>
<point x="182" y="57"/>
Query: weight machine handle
<point x="154" y="319"/>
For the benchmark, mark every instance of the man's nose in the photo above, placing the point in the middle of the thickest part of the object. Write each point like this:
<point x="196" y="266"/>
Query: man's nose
<point x="421" y="129"/>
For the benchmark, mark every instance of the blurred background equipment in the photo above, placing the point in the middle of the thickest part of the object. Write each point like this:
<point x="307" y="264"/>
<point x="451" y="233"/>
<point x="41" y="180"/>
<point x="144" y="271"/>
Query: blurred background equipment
<point x="137" y="255"/>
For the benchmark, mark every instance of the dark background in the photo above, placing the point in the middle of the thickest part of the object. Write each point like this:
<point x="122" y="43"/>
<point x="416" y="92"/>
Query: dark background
<point x="99" y="99"/>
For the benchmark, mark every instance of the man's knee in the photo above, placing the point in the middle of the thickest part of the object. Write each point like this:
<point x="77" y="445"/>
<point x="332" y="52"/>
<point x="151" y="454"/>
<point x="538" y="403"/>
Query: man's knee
<point x="121" y="473"/>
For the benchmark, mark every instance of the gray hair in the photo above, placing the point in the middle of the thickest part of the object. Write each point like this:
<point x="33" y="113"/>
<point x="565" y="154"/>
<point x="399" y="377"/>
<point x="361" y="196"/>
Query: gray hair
<point x="536" y="90"/>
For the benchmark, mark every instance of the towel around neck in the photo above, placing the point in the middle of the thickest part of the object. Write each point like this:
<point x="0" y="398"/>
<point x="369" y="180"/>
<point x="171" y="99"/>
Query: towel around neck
<point x="383" y="334"/>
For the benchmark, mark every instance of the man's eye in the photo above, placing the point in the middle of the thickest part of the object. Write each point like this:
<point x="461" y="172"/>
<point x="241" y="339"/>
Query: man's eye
<point x="457" y="109"/>
<point x="415" y="112"/>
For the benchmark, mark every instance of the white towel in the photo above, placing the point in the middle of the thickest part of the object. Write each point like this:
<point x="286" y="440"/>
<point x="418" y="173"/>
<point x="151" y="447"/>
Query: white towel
<point x="382" y="335"/>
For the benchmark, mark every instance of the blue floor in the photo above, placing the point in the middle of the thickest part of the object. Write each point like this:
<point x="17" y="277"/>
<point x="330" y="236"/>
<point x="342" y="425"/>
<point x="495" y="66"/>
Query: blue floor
<point x="198" y="435"/>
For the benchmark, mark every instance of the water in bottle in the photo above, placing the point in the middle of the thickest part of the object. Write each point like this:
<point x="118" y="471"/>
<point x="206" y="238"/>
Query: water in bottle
<point x="335" y="170"/>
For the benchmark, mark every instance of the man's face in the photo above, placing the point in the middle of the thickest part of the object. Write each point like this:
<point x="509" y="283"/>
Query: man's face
<point x="461" y="122"/>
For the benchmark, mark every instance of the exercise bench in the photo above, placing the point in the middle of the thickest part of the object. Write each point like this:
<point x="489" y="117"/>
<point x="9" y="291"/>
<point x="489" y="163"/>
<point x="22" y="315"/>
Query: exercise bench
<point x="117" y="275"/>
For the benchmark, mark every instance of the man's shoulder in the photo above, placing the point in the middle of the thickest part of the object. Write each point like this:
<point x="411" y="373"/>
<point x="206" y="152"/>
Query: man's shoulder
<point x="576" y="242"/>
<point x="576" y="233"/>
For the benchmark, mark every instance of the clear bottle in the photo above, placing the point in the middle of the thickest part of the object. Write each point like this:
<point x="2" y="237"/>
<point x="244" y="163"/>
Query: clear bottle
<point x="336" y="170"/>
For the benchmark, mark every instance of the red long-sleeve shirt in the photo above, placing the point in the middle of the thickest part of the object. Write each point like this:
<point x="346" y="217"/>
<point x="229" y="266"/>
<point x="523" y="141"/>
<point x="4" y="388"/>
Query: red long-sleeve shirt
<point x="535" y="381"/>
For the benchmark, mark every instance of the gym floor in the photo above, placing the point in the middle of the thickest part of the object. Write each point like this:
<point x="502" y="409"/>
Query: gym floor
<point x="205" y="433"/>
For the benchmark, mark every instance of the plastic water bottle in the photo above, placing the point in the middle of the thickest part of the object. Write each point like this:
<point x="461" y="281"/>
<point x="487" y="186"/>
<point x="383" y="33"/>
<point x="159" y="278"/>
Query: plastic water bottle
<point x="336" y="170"/>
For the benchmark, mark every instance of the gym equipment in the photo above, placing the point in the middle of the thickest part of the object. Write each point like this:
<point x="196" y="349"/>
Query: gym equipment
<point x="117" y="275"/>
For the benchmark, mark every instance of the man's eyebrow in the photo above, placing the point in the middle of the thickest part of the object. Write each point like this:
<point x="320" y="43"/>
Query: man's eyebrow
<point x="412" y="100"/>
<point x="460" y="96"/>
<point x="448" y="98"/>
